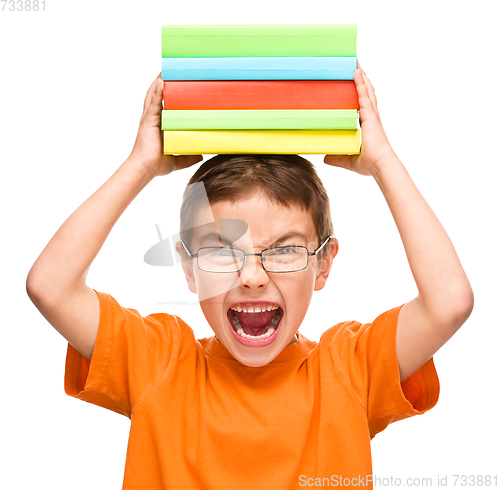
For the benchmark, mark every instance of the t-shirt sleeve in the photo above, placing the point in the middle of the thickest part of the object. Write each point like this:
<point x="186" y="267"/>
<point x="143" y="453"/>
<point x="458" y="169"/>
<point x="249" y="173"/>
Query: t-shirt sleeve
<point x="368" y="356"/>
<point x="130" y="355"/>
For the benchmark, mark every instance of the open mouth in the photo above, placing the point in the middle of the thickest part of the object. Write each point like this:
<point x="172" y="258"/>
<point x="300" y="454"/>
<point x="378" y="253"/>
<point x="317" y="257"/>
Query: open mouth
<point x="255" y="323"/>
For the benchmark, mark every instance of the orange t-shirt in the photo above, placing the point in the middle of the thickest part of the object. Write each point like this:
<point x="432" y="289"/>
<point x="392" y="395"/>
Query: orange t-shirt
<point x="202" y="420"/>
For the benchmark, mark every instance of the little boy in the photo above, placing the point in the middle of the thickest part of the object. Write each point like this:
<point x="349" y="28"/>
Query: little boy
<point x="257" y="406"/>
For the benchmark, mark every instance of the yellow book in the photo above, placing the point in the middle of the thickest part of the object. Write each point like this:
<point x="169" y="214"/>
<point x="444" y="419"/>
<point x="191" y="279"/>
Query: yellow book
<point x="288" y="142"/>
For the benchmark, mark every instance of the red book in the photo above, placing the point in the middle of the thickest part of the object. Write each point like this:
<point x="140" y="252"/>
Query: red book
<point x="260" y="94"/>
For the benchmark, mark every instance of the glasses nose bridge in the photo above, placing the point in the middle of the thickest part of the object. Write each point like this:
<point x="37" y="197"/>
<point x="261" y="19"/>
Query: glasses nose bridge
<point x="255" y="276"/>
<point x="258" y="259"/>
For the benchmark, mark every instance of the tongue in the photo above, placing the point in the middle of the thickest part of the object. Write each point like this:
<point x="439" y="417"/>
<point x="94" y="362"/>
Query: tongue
<point x="255" y="320"/>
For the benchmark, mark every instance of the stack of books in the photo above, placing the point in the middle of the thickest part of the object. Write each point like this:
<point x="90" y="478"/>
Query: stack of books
<point x="273" y="89"/>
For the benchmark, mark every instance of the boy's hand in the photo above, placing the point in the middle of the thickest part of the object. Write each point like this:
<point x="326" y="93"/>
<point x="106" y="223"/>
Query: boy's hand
<point x="148" y="147"/>
<point x="375" y="146"/>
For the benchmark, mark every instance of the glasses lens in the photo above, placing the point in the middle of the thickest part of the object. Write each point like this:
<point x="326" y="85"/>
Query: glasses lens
<point x="220" y="259"/>
<point x="285" y="259"/>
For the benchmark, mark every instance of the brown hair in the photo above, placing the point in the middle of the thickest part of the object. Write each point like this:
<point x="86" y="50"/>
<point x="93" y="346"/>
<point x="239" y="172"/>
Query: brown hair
<point x="285" y="179"/>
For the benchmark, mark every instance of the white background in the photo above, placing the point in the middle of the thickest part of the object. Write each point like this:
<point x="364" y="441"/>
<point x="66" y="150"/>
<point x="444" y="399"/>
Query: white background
<point x="72" y="86"/>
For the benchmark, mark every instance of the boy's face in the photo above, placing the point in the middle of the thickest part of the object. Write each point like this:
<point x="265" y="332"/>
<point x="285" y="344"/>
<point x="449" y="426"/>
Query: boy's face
<point x="283" y="298"/>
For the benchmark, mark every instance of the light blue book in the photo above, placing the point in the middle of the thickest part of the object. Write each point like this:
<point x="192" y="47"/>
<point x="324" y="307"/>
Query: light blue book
<point x="271" y="68"/>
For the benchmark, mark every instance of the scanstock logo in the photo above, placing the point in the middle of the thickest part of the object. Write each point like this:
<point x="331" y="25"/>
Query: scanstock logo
<point x="164" y="253"/>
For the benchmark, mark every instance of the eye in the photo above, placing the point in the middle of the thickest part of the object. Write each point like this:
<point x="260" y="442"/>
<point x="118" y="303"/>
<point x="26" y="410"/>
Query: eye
<point x="223" y="252"/>
<point x="284" y="251"/>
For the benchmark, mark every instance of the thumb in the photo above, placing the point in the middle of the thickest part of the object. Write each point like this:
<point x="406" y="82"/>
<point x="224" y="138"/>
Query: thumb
<point x="155" y="103"/>
<point x="343" y="161"/>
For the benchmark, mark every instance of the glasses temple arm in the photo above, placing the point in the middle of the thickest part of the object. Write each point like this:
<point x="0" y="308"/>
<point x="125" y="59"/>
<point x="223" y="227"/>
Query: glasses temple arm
<point x="187" y="249"/>
<point x="321" y="246"/>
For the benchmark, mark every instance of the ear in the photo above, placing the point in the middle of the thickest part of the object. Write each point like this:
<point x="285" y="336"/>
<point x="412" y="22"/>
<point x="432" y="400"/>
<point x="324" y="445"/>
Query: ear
<point x="325" y="264"/>
<point x="187" y="267"/>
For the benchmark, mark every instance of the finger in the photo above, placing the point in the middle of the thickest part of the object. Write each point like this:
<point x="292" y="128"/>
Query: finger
<point x="342" y="161"/>
<point x="150" y="93"/>
<point x="182" y="161"/>
<point x="155" y="103"/>
<point x="371" y="90"/>
<point x="151" y="89"/>
<point x="363" y="94"/>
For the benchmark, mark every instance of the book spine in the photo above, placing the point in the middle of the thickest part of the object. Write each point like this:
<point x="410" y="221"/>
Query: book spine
<point x="260" y="94"/>
<point x="276" y="142"/>
<point x="258" y="41"/>
<point x="319" y="68"/>
<point x="322" y="119"/>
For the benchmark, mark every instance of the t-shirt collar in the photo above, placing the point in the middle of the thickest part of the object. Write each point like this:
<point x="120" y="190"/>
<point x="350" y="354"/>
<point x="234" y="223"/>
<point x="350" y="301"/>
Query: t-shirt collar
<point x="290" y="352"/>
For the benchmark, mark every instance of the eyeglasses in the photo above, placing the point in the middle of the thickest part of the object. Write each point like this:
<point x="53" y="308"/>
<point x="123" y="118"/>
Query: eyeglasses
<point x="290" y="258"/>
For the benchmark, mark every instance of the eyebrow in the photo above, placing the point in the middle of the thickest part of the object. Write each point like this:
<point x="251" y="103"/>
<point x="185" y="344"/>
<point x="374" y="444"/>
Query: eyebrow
<point x="286" y="236"/>
<point x="213" y="236"/>
<point x="291" y="234"/>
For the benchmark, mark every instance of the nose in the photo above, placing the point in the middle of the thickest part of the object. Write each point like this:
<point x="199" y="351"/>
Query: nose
<point x="253" y="275"/>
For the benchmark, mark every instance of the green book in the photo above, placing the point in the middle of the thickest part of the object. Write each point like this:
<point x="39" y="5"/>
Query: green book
<point x="259" y="119"/>
<point x="232" y="41"/>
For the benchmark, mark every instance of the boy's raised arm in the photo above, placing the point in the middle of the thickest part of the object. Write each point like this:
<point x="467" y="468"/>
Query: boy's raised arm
<point x="445" y="299"/>
<point x="56" y="282"/>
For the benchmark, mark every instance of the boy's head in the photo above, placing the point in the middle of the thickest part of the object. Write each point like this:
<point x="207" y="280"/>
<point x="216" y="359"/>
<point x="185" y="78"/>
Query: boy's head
<point x="236" y="204"/>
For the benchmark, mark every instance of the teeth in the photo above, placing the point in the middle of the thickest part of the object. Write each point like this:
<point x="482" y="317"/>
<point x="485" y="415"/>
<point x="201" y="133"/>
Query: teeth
<point x="269" y="332"/>
<point x="258" y="309"/>
<point x="237" y="324"/>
